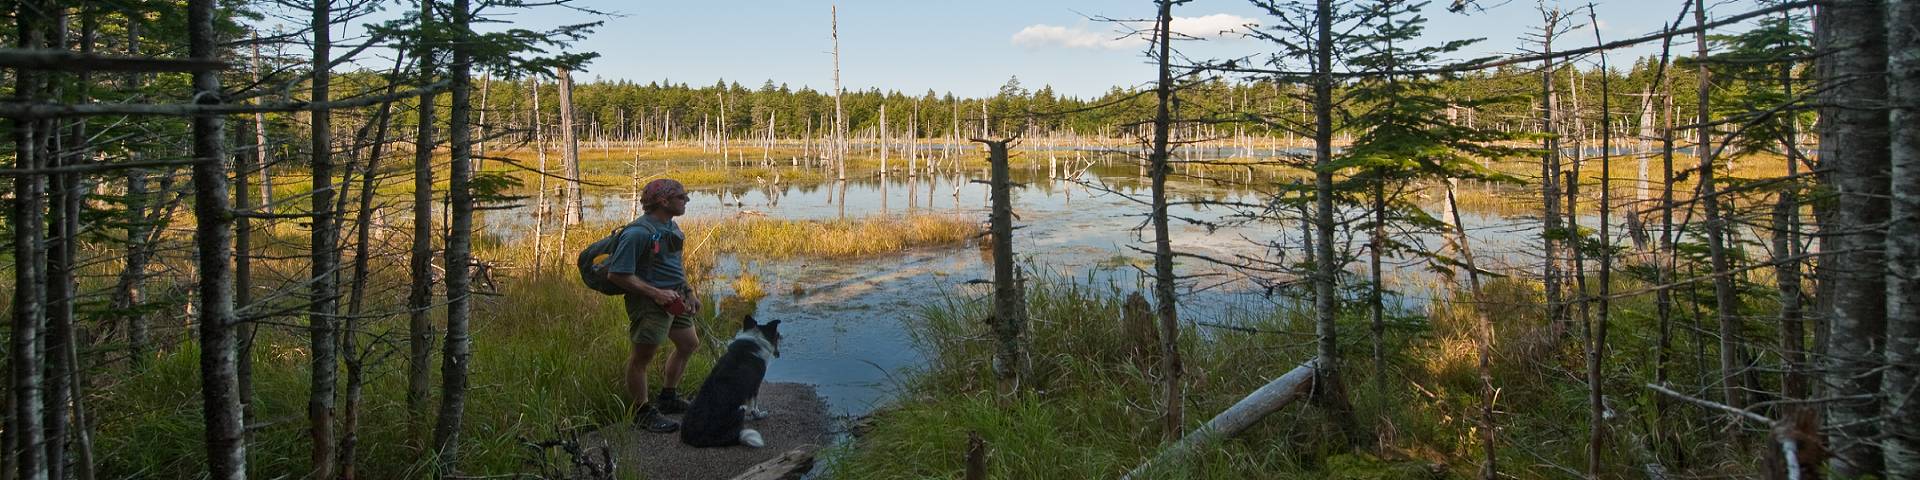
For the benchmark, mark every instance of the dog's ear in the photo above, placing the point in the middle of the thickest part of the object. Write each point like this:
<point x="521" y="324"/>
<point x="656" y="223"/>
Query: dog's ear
<point x="748" y="323"/>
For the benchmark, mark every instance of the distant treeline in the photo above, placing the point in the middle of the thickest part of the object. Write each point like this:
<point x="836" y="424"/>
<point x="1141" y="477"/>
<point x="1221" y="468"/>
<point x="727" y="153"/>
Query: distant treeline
<point x="619" y="108"/>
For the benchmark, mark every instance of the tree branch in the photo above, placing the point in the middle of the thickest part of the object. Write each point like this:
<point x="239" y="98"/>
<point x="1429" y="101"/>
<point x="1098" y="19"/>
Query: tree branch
<point x="55" y="110"/>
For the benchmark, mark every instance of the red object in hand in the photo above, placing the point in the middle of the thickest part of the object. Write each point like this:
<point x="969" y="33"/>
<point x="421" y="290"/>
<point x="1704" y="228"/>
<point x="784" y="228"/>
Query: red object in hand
<point x="678" y="307"/>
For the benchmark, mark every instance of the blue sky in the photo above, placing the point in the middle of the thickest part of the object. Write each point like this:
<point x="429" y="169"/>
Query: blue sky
<point x="970" y="48"/>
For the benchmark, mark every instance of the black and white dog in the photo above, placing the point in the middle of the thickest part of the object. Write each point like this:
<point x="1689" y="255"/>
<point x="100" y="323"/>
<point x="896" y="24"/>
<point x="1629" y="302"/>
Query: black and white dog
<point x="719" y="412"/>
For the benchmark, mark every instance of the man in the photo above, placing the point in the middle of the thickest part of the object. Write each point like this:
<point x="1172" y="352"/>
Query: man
<point x="646" y="262"/>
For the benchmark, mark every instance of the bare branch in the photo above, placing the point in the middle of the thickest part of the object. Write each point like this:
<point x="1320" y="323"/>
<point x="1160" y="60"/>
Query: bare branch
<point x="61" y="60"/>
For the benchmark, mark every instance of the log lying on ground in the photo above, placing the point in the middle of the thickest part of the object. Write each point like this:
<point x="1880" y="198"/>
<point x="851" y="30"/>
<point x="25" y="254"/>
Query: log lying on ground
<point x="1248" y="411"/>
<point x="788" y="465"/>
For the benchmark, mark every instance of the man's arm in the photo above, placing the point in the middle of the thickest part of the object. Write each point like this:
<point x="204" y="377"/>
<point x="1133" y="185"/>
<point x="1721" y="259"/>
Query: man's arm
<point x="632" y="283"/>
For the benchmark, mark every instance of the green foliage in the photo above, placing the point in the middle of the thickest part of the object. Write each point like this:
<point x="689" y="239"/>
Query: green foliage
<point x="547" y="357"/>
<point x="1764" y="71"/>
<point x="1090" y="412"/>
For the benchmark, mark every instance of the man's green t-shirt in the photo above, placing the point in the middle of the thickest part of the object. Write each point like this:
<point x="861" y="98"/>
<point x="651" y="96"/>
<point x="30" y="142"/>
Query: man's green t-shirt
<point x="662" y="242"/>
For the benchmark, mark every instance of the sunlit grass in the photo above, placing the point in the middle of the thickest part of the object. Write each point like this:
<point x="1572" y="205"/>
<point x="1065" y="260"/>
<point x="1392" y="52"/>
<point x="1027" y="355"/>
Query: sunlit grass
<point x="747" y="286"/>
<point x="547" y="352"/>
<point x="1092" y="411"/>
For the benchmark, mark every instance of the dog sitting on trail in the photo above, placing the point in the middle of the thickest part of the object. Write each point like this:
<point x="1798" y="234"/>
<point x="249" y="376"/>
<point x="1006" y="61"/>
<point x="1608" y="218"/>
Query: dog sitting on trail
<point x="719" y="412"/>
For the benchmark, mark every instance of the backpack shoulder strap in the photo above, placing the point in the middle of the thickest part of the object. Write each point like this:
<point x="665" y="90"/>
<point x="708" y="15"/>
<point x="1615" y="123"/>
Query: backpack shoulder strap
<point x="649" y="252"/>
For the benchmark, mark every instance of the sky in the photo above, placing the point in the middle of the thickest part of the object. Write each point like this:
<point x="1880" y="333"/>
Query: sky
<point x="971" y="48"/>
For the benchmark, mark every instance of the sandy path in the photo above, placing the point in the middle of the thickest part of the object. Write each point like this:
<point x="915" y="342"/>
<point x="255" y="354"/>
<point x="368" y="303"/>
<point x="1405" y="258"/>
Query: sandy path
<point x="799" y="417"/>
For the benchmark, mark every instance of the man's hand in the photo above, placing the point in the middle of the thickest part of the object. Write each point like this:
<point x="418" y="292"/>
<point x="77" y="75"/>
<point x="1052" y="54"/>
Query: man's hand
<point x="631" y="283"/>
<point x="662" y="296"/>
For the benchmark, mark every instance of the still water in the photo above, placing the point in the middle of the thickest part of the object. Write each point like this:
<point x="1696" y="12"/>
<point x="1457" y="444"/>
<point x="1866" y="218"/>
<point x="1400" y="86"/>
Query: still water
<point x="845" y="322"/>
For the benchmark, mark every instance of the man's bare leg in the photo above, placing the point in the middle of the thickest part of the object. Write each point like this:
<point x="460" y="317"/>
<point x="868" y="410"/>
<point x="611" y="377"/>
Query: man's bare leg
<point x="685" y="342"/>
<point x="637" y="363"/>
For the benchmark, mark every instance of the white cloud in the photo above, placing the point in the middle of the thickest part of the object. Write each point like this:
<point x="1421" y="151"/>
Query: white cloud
<point x="1074" y="37"/>
<point x="1216" y="26"/>
<point x="1219" y="25"/>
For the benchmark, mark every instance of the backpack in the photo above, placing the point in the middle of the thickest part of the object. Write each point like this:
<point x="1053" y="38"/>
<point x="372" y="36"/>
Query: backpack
<point x="593" y="260"/>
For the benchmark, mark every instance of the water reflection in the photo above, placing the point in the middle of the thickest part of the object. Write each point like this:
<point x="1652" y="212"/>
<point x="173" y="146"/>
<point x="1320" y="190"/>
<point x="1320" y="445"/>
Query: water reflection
<point x="846" y="320"/>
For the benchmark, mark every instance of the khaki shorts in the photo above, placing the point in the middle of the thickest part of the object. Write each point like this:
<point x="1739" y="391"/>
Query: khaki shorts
<point x="648" y="322"/>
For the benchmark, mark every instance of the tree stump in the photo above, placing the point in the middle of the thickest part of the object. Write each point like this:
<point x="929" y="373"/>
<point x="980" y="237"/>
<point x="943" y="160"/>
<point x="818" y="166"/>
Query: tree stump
<point x="1137" y="330"/>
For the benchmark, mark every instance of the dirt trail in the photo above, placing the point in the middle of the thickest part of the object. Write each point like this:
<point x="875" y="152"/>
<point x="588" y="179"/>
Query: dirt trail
<point x="799" y="417"/>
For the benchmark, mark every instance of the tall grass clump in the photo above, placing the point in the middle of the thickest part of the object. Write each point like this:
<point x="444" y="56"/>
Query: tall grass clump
<point x="1543" y="393"/>
<point x="1090" y="410"/>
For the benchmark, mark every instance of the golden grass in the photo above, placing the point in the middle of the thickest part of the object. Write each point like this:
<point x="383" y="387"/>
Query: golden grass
<point x="777" y="238"/>
<point x="747" y="287"/>
<point x="757" y="238"/>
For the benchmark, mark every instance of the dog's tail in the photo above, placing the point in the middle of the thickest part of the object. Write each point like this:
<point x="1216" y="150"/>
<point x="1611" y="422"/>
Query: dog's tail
<point x="751" y="438"/>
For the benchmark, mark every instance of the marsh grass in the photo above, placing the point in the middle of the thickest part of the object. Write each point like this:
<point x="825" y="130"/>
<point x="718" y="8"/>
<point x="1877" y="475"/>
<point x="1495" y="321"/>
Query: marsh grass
<point x="547" y="353"/>
<point x="547" y="357"/>
<point x="1092" y="410"/>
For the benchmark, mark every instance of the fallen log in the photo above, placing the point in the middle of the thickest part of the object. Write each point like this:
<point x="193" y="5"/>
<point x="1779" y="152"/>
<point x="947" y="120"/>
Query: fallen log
<point x="787" y="466"/>
<point x="1248" y="411"/>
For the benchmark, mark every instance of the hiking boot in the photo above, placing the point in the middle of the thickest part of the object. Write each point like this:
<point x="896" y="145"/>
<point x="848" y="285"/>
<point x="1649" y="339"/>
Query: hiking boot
<point x="650" y="419"/>
<point x="670" y="403"/>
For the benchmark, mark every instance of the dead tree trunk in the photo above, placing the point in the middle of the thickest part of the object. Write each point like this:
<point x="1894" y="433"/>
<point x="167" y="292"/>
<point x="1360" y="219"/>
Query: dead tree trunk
<point x="633" y="187"/>
<point x="1724" y="301"/>
<point x="323" y="306"/>
<point x="1010" y="360"/>
<point x="1549" y="179"/>
<point x="243" y="277"/>
<point x="540" y="180"/>
<point x="839" y="119"/>
<point x="1664" y="260"/>
<point x="363" y="224"/>
<point x="1642" y="187"/>
<point x="1483" y="337"/>
<point x="1597" y="349"/>
<point x="883" y="136"/>
<point x="486" y="129"/>
<point x="213" y="239"/>
<point x="420" y="253"/>
<point x="1248" y="411"/>
<point x="976" y="457"/>
<point x="571" y="156"/>
<point x="1166" y="304"/>
<point x="913" y="141"/>
<point x="260" y="135"/>
<point x="1376" y="305"/>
